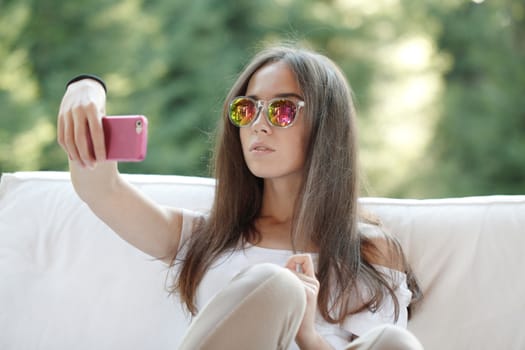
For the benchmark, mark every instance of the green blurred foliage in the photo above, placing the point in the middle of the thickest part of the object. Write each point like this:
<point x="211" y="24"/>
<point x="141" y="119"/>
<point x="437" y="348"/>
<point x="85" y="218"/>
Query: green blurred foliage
<point x="175" y="60"/>
<point x="479" y="143"/>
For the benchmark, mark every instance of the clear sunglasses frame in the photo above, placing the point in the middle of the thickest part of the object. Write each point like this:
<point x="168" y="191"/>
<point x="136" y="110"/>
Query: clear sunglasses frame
<point x="259" y="106"/>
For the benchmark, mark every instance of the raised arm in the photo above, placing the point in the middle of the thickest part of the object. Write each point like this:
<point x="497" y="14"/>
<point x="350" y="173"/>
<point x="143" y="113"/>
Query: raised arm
<point x="143" y="223"/>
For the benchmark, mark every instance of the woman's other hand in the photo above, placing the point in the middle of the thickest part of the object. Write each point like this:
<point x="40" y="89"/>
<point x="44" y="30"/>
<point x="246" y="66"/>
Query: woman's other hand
<point x="303" y="267"/>
<point x="79" y="124"/>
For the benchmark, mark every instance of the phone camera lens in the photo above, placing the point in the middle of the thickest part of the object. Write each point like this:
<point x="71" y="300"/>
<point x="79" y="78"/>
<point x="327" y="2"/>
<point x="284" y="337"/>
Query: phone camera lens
<point x="138" y="126"/>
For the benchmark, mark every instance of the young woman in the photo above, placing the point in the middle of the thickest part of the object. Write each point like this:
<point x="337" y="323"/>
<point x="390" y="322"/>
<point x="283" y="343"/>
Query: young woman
<point x="284" y="259"/>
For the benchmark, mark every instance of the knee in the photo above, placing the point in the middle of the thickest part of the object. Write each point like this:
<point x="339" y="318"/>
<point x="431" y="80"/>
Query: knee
<point x="276" y="282"/>
<point x="392" y="337"/>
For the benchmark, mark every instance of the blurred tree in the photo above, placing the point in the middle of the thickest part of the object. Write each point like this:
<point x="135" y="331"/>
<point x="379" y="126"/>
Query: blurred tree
<point x="46" y="44"/>
<point x="18" y="92"/>
<point x="170" y="60"/>
<point x="479" y="144"/>
<point x="204" y="46"/>
<point x="174" y="61"/>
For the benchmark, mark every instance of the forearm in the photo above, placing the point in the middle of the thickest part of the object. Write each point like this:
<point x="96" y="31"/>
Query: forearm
<point x="143" y="223"/>
<point x="94" y="184"/>
<point x="146" y="225"/>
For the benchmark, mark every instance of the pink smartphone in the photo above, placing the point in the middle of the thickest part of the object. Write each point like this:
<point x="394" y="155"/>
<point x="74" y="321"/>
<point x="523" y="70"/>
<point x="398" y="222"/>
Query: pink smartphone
<point x="126" y="137"/>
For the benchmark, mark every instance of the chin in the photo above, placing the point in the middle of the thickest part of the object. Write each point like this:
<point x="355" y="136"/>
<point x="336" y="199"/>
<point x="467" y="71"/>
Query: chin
<point x="273" y="174"/>
<point x="263" y="174"/>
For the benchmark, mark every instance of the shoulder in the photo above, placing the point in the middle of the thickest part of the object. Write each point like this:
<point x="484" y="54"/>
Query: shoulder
<point x="380" y="248"/>
<point x="190" y="219"/>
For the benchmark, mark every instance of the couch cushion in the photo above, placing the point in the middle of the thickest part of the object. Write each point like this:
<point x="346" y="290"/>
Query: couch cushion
<point x="68" y="282"/>
<point x="468" y="254"/>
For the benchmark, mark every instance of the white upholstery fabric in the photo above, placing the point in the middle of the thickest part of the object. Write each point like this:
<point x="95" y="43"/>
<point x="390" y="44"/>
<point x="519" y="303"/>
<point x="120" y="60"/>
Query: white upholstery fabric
<point x="468" y="254"/>
<point x="68" y="282"/>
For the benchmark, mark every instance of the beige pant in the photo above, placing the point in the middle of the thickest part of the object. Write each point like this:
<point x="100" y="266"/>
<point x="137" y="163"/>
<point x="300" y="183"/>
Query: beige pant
<point x="262" y="309"/>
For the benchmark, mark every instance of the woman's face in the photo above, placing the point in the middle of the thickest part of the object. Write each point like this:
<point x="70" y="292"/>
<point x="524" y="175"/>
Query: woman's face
<point x="271" y="152"/>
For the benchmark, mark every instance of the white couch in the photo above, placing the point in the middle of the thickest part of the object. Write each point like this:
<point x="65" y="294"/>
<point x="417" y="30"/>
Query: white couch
<point x="68" y="282"/>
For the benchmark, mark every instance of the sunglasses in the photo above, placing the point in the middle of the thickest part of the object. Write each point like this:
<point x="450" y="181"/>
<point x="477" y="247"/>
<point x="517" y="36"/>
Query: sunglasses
<point x="280" y="112"/>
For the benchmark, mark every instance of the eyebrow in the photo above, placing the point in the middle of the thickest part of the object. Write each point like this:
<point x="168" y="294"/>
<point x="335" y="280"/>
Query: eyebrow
<point x="284" y="95"/>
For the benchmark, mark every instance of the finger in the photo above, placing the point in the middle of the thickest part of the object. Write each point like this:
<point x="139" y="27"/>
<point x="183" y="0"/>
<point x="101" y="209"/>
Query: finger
<point x="311" y="287"/>
<point x="295" y="260"/>
<point x="308" y="281"/>
<point x="311" y="291"/>
<point x="81" y="135"/>
<point x="304" y="261"/>
<point x="61" y="135"/>
<point x="69" y="138"/>
<point x="60" y="132"/>
<point x="97" y="135"/>
<point x="296" y="263"/>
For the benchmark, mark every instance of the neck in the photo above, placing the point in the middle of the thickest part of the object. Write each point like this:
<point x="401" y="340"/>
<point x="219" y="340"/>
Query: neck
<point x="279" y="199"/>
<point x="275" y="222"/>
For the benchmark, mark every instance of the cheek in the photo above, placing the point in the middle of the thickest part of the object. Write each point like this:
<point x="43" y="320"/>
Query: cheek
<point x="243" y="137"/>
<point x="303" y="154"/>
<point x="303" y="141"/>
<point x="304" y="148"/>
<point x="297" y="150"/>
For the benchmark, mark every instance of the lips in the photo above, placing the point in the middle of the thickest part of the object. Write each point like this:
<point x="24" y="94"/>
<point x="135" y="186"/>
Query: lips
<point x="260" y="147"/>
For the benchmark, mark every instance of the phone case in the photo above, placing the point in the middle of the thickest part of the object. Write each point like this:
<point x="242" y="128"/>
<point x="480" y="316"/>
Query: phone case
<point x="126" y="137"/>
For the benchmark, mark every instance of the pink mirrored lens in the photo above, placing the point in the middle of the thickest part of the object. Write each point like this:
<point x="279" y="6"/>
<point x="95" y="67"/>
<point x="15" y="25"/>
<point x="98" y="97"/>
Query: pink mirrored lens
<point x="281" y="113"/>
<point x="242" y="111"/>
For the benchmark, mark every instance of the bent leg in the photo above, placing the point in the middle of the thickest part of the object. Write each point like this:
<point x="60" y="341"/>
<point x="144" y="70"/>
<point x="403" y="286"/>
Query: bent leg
<point x="261" y="308"/>
<point x="387" y="337"/>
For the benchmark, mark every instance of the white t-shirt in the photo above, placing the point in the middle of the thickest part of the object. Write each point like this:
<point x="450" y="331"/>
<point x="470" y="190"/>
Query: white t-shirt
<point x="232" y="263"/>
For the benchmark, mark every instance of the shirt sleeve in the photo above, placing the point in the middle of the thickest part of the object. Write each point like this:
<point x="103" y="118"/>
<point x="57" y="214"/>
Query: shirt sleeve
<point x="365" y="320"/>
<point x="188" y="219"/>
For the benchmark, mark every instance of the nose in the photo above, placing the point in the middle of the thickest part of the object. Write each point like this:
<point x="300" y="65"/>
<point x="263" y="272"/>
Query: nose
<point x="261" y="124"/>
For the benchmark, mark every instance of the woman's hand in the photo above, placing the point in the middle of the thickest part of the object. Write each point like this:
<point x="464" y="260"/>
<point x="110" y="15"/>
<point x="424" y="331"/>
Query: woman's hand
<point x="307" y="336"/>
<point x="79" y="124"/>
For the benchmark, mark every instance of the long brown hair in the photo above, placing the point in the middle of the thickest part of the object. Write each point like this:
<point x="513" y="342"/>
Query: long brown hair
<point x="326" y="212"/>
